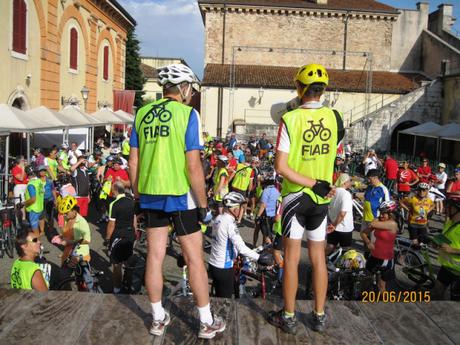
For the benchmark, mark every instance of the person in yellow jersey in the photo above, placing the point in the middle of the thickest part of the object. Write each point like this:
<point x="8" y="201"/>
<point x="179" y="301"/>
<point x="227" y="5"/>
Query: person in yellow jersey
<point x="52" y="164"/>
<point x="25" y="272"/>
<point x="241" y="182"/>
<point x="125" y="148"/>
<point x="35" y="200"/>
<point x="220" y="187"/>
<point x="307" y="144"/>
<point x="449" y="251"/>
<point x="167" y="175"/>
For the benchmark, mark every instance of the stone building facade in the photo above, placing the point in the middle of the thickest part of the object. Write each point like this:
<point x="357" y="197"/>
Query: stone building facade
<point x="68" y="44"/>
<point x="366" y="38"/>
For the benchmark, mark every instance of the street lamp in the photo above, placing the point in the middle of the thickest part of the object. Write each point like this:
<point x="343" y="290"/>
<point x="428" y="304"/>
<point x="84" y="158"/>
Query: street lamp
<point x="84" y="94"/>
<point x="261" y="94"/>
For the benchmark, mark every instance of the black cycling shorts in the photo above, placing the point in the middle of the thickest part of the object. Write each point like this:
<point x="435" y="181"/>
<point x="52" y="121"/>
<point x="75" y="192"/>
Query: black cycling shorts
<point x="185" y="222"/>
<point x="301" y="213"/>
<point x="278" y="242"/>
<point x="418" y="232"/>
<point x="339" y="237"/>
<point x="386" y="267"/>
<point x="121" y="249"/>
<point x="244" y="193"/>
<point x="222" y="281"/>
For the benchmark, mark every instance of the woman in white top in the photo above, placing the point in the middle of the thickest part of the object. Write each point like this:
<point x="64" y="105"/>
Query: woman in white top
<point x="441" y="178"/>
<point x="340" y="216"/>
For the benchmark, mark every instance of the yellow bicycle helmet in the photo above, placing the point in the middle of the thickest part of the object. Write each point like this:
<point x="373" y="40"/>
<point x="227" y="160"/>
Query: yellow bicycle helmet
<point x="313" y="73"/>
<point x="67" y="204"/>
<point x="352" y="260"/>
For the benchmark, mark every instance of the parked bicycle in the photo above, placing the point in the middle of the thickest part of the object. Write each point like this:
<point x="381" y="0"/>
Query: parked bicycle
<point x="7" y="231"/>
<point x="83" y="277"/>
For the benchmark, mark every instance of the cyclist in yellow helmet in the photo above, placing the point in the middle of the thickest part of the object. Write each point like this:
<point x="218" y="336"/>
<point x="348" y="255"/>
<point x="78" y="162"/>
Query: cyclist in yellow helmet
<point x="76" y="229"/>
<point x="307" y="144"/>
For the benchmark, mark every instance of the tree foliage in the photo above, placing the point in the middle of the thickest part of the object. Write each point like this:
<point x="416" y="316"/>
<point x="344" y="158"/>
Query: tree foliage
<point x="134" y="78"/>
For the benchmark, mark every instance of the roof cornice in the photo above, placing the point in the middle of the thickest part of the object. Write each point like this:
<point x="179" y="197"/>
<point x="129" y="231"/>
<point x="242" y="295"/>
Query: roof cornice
<point x="300" y="11"/>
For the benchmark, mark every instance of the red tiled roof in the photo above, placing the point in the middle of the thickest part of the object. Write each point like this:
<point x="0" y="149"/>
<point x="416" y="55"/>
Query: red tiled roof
<point x="357" y="5"/>
<point x="273" y="77"/>
<point x="149" y="72"/>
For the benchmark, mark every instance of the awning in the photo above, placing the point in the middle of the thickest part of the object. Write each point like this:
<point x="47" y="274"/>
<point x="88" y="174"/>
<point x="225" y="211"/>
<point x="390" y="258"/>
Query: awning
<point x="129" y="117"/>
<point x="111" y="117"/>
<point x="450" y="131"/>
<point x="84" y="119"/>
<point x="424" y="130"/>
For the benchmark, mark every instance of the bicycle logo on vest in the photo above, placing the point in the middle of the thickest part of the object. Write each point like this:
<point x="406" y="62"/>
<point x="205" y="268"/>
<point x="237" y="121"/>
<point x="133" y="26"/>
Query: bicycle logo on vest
<point x="309" y="136"/>
<point x="164" y="115"/>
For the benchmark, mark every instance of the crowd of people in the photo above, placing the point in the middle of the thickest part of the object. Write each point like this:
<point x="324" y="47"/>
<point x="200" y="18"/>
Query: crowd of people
<point x="180" y="178"/>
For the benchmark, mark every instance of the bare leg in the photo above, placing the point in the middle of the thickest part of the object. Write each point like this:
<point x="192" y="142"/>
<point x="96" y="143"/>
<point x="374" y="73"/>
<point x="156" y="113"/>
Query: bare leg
<point x="318" y="261"/>
<point x="291" y="274"/>
<point x="157" y="239"/>
<point x="192" y="249"/>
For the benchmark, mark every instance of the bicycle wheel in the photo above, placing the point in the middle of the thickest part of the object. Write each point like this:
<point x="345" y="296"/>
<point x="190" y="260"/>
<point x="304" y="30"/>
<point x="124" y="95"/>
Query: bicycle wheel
<point x="9" y="241"/>
<point x="412" y="272"/>
<point x="68" y="284"/>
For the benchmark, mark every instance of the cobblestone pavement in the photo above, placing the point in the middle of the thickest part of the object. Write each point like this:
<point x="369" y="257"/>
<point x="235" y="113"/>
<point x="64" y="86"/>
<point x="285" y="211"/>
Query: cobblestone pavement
<point x="172" y="273"/>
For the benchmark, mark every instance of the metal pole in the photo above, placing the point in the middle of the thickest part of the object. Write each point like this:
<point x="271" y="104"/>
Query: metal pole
<point x="7" y="163"/>
<point x="28" y="147"/>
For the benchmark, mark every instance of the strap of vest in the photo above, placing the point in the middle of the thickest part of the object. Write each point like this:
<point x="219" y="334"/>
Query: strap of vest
<point x="237" y="172"/>
<point x="155" y="106"/>
<point x="340" y="127"/>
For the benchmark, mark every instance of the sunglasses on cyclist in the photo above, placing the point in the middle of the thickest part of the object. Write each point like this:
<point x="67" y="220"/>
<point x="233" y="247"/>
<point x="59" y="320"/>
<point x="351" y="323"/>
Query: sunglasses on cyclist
<point x="34" y="240"/>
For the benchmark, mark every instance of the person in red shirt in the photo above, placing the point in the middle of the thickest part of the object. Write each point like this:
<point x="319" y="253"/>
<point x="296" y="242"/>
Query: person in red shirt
<point x="232" y="163"/>
<point x="406" y="179"/>
<point x="116" y="173"/>
<point x="221" y="148"/>
<point x="391" y="171"/>
<point x="20" y="182"/>
<point x="424" y="171"/>
<point x="454" y="187"/>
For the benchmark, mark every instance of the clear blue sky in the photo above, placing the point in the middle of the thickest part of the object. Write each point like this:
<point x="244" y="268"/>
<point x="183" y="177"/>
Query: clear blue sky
<point x="174" y="28"/>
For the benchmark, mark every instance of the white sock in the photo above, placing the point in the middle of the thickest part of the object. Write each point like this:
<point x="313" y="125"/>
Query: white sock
<point x="205" y="314"/>
<point x="158" y="311"/>
<point x="116" y="290"/>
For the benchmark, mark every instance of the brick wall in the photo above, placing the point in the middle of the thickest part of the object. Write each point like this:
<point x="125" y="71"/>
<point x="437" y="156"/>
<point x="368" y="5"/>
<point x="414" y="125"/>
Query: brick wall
<point x="320" y="31"/>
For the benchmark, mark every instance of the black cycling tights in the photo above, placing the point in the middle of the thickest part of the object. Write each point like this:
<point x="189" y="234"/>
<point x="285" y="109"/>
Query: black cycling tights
<point x="222" y="281"/>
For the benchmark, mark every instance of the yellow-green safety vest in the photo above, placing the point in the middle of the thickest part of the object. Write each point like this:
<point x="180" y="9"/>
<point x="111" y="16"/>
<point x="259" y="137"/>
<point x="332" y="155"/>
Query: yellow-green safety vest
<point x="37" y="206"/>
<point x="451" y="261"/>
<point x="242" y="177"/>
<point x="224" y="190"/>
<point x="313" y="147"/>
<point x="125" y="148"/>
<point x="22" y="273"/>
<point x="277" y="224"/>
<point x="105" y="190"/>
<point x="53" y="164"/>
<point x="64" y="157"/>
<point x="161" y="127"/>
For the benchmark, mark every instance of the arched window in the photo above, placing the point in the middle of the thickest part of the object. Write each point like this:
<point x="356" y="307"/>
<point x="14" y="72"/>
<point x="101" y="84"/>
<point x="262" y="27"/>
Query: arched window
<point x="73" y="49"/>
<point x="19" y="26"/>
<point x="106" y="63"/>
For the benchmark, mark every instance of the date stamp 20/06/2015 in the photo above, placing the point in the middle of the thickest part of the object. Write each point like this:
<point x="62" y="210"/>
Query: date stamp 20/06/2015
<point x="396" y="297"/>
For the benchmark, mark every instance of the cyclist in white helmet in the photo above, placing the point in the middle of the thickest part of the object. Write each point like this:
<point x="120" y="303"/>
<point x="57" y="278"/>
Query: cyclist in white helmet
<point x="167" y="176"/>
<point x="227" y="243"/>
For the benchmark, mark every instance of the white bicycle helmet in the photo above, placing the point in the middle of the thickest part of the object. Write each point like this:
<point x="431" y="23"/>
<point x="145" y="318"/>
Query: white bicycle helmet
<point x="233" y="199"/>
<point x="115" y="151"/>
<point x="176" y="74"/>
<point x="423" y="185"/>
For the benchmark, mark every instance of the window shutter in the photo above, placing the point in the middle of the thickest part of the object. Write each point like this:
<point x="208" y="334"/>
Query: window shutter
<point x="73" y="48"/>
<point x="106" y="63"/>
<point x="19" y="26"/>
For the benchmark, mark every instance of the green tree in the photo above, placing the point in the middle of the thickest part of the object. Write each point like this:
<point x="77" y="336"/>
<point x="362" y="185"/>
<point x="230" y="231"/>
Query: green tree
<point x="134" y="78"/>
